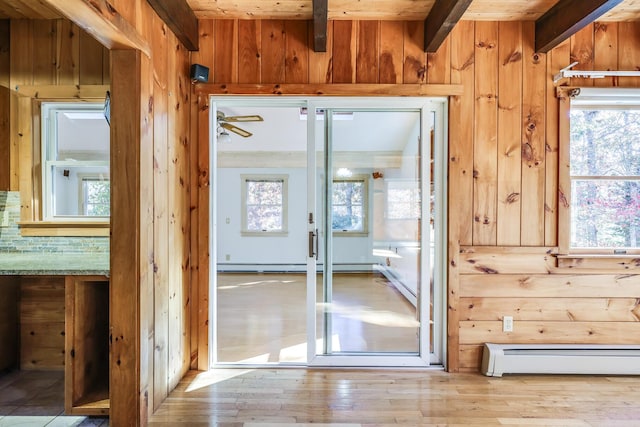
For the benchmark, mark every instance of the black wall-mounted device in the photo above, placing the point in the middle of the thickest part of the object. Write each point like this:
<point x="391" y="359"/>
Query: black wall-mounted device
<point x="199" y="73"/>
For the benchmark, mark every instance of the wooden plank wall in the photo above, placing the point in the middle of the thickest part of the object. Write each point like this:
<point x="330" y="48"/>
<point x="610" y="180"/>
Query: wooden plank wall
<point x="42" y="323"/>
<point x="551" y="300"/>
<point x="59" y="53"/>
<point x="503" y="162"/>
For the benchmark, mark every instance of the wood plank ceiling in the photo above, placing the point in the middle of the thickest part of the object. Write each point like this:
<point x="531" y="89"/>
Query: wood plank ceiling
<point x="406" y="10"/>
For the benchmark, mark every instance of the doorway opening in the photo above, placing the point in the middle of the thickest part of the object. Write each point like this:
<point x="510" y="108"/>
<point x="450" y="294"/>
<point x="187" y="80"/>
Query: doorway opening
<point x="327" y="231"/>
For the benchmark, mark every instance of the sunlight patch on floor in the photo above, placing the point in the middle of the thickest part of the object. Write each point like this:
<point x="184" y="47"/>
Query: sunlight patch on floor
<point x="214" y="376"/>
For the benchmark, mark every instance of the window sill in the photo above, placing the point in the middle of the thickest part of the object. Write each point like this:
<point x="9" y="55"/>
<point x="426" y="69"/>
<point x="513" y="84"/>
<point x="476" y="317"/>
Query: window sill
<point x="338" y="233"/>
<point x="264" y="233"/>
<point x="64" y="228"/>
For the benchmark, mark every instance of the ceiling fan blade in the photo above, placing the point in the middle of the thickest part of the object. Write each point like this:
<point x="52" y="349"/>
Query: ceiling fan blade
<point x="236" y="130"/>
<point x="252" y="118"/>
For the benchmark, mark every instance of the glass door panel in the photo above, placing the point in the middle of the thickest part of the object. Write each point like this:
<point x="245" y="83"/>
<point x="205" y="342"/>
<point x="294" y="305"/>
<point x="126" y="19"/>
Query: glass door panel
<point x="371" y="196"/>
<point x="261" y="235"/>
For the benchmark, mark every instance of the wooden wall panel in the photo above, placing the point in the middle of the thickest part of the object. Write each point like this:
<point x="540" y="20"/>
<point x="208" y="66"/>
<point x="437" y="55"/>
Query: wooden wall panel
<point x="628" y="52"/>
<point x="504" y="155"/>
<point x="509" y="133"/>
<point x="226" y="50"/>
<point x="550" y="332"/>
<point x="67" y="51"/>
<point x="296" y="53"/>
<point x="460" y="219"/>
<point x="391" y="44"/>
<point x="344" y="51"/>
<point x="598" y="306"/>
<point x="555" y="60"/>
<point x="90" y="60"/>
<point x="249" y="49"/>
<point x="273" y="52"/>
<point x="160" y="203"/>
<point x="44" y="52"/>
<point x="533" y="142"/>
<point x="562" y="285"/>
<point x="179" y="209"/>
<point x="551" y="309"/>
<point x="605" y="45"/>
<point x="461" y="134"/>
<point x="485" y="149"/>
<point x="439" y="63"/>
<point x="42" y="323"/>
<point x="367" y="45"/>
<point x="582" y="52"/>
<point x="415" y="60"/>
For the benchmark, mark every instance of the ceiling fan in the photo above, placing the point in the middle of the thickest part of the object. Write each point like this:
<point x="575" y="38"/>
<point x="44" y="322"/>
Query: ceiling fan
<point x="225" y="121"/>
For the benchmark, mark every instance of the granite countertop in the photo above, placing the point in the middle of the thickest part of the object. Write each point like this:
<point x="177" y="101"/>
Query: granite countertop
<point x="26" y="263"/>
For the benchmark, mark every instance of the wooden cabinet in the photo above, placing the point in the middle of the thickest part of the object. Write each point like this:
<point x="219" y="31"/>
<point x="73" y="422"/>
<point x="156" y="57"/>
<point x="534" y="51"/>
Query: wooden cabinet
<point x="87" y="345"/>
<point x="9" y="322"/>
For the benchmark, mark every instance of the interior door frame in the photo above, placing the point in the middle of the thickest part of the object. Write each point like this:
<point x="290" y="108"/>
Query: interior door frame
<point x="424" y="358"/>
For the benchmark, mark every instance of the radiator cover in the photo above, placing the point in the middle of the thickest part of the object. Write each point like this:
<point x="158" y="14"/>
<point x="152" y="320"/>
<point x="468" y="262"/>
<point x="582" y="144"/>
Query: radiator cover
<point x="499" y="359"/>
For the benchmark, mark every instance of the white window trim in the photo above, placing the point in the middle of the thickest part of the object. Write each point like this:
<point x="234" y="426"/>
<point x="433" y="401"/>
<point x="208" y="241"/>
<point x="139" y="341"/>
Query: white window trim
<point x="244" y="178"/>
<point x="602" y="98"/>
<point x="48" y="132"/>
<point x="365" y="206"/>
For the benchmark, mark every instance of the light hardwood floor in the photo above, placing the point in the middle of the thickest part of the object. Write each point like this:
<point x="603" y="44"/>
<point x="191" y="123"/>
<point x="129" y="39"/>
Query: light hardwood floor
<point x="298" y="397"/>
<point x="262" y="316"/>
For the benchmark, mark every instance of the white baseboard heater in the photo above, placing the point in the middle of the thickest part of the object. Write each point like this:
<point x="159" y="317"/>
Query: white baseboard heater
<point x="498" y="359"/>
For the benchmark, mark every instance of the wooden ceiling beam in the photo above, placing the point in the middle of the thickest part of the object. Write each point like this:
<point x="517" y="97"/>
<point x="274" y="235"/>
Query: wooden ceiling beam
<point x="442" y="17"/>
<point x="100" y="19"/>
<point x="320" y="20"/>
<point x="566" y="18"/>
<point x="180" y="19"/>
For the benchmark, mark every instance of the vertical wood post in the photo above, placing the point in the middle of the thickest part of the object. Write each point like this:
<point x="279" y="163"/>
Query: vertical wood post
<point x="127" y="403"/>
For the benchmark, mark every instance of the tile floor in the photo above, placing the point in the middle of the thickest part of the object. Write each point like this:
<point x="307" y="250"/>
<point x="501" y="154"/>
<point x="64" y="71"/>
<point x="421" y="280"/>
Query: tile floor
<point x="36" y="399"/>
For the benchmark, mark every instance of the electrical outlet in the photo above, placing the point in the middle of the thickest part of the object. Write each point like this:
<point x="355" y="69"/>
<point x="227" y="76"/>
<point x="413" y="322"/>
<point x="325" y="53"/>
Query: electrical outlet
<point x="227" y="257"/>
<point x="507" y="324"/>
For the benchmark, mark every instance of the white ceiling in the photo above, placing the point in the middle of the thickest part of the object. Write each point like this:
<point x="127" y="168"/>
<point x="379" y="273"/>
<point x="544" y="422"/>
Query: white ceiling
<point x="283" y="129"/>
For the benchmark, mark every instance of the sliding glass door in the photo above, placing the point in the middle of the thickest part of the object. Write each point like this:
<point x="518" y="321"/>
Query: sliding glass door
<point x="325" y="234"/>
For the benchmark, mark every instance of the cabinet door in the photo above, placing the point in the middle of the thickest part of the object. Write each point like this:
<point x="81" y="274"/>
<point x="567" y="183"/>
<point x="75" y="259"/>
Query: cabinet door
<point x="87" y="345"/>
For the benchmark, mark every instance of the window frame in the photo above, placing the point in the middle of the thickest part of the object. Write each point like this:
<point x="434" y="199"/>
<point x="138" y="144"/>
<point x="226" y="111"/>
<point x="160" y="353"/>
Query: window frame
<point x="48" y="109"/>
<point x="244" y="179"/>
<point x="365" y="205"/>
<point x="82" y="199"/>
<point x="607" y="97"/>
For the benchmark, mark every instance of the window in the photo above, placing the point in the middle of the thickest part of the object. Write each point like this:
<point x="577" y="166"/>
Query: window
<point x="94" y="196"/>
<point x="604" y="164"/>
<point x="349" y="205"/>
<point x="403" y="200"/>
<point x="75" y="162"/>
<point x="264" y="199"/>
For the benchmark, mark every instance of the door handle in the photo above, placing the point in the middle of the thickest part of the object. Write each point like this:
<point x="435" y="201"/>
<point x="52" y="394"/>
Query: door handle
<point x="313" y="248"/>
